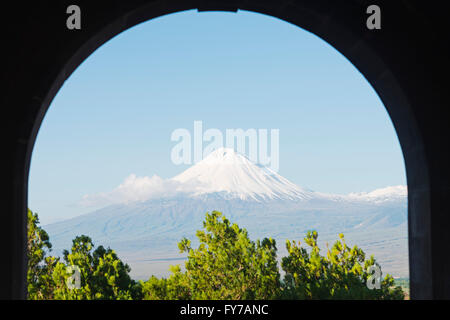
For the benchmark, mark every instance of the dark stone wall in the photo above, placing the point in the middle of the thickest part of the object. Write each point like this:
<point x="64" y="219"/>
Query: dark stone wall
<point x="406" y="62"/>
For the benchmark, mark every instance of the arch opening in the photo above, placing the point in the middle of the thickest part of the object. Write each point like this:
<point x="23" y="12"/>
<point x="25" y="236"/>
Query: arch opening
<point x="329" y="26"/>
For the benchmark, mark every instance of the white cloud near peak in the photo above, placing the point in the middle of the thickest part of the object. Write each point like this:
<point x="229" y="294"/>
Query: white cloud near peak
<point x="135" y="188"/>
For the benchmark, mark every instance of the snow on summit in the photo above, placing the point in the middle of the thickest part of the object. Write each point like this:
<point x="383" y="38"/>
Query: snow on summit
<point x="228" y="172"/>
<point x="386" y="194"/>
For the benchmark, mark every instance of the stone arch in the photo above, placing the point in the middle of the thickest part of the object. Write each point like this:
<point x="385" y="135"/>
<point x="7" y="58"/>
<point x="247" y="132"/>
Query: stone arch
<point x="46" y="53"/>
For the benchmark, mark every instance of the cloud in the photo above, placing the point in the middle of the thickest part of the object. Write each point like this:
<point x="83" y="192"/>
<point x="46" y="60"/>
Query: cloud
<point x="135" y="188"/>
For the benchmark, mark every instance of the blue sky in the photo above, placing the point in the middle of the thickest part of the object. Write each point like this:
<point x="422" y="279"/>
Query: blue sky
<point x="115" y="114"/>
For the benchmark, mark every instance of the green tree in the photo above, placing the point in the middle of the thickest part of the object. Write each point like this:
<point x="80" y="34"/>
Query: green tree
<point x="102" y="274"/>
<point x="40" y="266"/>
<point x="176" y="287"/>
<point x="226" y="265"/>
<point x="341" y="274"/>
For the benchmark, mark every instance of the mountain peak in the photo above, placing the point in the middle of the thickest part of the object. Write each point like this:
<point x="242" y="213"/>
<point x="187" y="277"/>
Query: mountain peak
<point x="386" y="194"/>
<point x="227" y="171"/>
<point x="222" y="152"/>
<point x="225" y="156"/>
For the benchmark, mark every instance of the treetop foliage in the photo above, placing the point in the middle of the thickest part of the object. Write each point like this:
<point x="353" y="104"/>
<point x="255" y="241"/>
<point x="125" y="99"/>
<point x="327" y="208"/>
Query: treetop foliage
<point x="225" y="265"/>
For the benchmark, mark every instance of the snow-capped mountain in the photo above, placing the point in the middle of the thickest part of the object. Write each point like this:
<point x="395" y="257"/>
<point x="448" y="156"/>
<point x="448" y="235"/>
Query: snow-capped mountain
<point x="255" y="197"/>
<point x="382" y="195"/>
<point x="232" y="174"/>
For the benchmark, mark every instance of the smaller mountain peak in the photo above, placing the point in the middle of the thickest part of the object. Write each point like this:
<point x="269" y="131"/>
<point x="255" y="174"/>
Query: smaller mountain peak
<point x="391" y="193"/>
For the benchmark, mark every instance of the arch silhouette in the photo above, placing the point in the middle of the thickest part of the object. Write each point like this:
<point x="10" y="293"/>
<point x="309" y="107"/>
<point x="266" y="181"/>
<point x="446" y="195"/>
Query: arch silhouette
<point x="48" y="53"/>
